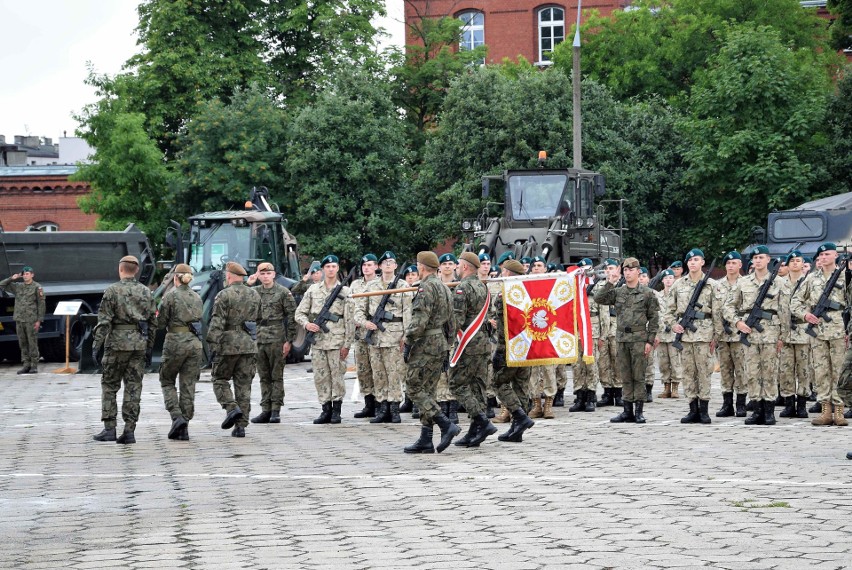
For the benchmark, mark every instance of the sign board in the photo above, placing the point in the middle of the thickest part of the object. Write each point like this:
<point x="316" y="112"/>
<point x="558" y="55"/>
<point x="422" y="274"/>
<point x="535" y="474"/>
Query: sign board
<point x="67" y="308"/>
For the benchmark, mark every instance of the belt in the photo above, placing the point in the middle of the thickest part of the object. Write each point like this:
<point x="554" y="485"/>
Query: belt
<point x="429" y="332"/>
<point x="125" y="327"/>
<point x="178" y="329"/>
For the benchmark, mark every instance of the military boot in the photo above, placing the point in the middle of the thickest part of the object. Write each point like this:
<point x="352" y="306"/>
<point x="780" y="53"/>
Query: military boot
<point x="33" y="370"/>
<point x="547" y="411"/>
<point x="238" y="431"/>
<point x="667" y="390"/>
<point x="591" y="398"/>
<point x="24" y="370"/>
<point x="674" y="390"/>
<point x="789" y="410"/>
<point x="559" y="398"/>
<point x="262" y="418"/>
<point x="727" y="409"/>
<point x="231" y="418"/>
<point x="801" y="407"/>
<point x="756" y="418"/>
<point x="626" y="415"/>
<point x="415" y="412"/>
<point x="580" y="402"/>
<point x="816" y="408"/>
<point x="449" y="430"/>
<point x="490" y="404"/>
<point x="616" y="397"/>
<point x="382" y="414"/>
<point x="848" y="414"/>
<point x="275" y="417"/>
<point x="750" y="406"/>
<point x="813" y="395"/>
<point x="177" y="425"/>
<point x="369" y="409"/>
<point x="394" y="413"/>
<point x="768" y="412"/>
<point x="127" y="437"/>
<point x="825" y="418"/>
<point x="184" y="433"/>
<point x="406" y="405"/>
<point x="703" y="415"/>
<point x="693" y="415"/>
<point x="839" y="419"/>
<point x="741" y="406"/>
<point x="464" y="440"/>
<point x="335" y="412"/>
<point x="779" y="399"/>
<point x="639" y="416"/>
<point x="649" y="397"/>
<point x="445" y="408"/>
<point x="537" y="411"/>
<point x="453" y="408"/>
<point x="484" y="429"/>
<point x="108" y="434"/>
<point x="325" y="415"/>
<point x="423" y="443"/>
<point x="606" y="398"/>
<point x="504" y="416"/>
<point x="521" y="422"/>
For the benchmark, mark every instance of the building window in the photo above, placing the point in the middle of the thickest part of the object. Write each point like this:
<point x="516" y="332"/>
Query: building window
<point x="551" y="31"/>
<point x="44" y="227"/>
<point x="473" y="31"/>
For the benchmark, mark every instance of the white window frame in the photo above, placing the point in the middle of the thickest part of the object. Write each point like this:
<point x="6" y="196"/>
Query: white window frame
<point x="543" y="59"/>
<point x="469" y="28"/>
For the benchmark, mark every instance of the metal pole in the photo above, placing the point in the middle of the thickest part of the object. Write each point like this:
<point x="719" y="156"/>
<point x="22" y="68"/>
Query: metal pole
<point x="575" y="84"/>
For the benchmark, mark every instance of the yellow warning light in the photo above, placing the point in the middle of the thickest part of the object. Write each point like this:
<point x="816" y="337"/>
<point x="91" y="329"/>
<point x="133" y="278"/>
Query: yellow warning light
<point x="248" y="205"/>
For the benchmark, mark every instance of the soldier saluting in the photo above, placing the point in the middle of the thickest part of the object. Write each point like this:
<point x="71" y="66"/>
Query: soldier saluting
<point x="28" y="315"/>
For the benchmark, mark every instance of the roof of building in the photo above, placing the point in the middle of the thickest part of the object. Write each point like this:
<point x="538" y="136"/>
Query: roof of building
<point x="44" y="170"/>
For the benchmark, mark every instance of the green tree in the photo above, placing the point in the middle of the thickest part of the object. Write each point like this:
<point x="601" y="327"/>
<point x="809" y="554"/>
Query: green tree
<point x="837" y="158"/>
<point x="841" y="28"/>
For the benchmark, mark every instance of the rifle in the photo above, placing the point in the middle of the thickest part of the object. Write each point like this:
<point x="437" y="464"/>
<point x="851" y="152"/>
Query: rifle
<point x="381" y="316"/>
<point x="324" y="316"/>
<point x="825" y="304"/>
<point x="757" y="313"/>
<point x="687" y="321"/>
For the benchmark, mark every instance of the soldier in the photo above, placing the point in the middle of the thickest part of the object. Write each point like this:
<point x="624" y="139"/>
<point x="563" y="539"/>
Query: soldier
<point x="677" y="268"/>
<point x="511" y="384"/>
<point x="671" y="370"/>
<point x="467" y="377"/>
<point x="364" y="370"/>
<point x="312" y="276"/>
<point x="232" y="338"/>
<point x="425" y="352"/>
<point x="543" y="377"/>
<point x="331" y="348"/>
<point x="180" y="314"/>
<point x="386" y="348"/>
<point x="729" y="349"/>
<point x="125" y="330"/>
<point x="527" y="263"/>
<point x="698" y="345"/>
<point x="447" y="272"/>
<point x="411" y="276"/>
<point x="637" y="310"/>
<point x="829" y="345"/>
<point x="275" y="332"/>
<point x="586" y="375"/>
<point x="446" y="399"/>
<point x="28" y="315"/>
<point x="484" y="274"/>
<point x="645" y="279"/>
<point x="761" y="356"/>
<point x="606" y="359"/>
<point x="795" y="354"/>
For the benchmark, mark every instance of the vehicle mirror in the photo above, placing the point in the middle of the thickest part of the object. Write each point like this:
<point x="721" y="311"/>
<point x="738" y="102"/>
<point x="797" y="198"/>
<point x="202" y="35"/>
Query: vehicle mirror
<point x="600" y="185"/>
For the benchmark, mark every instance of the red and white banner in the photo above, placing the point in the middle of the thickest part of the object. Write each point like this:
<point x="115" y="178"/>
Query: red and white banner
<point x="546" y="319"/>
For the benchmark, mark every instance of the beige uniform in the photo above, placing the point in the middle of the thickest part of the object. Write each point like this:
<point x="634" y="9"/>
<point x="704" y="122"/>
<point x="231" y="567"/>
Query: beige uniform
<point x="696" y="357"/>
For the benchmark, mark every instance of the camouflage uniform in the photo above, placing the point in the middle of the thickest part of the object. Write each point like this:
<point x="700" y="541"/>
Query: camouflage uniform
<point x="495" y="289"/>
<point x="729" y="349"/>
<point x="696" y="358"/>
<point x="124" y="305"/>
<point x="325" y="352"/>
<point x="605" y="359"/>
<point x="235" y="350"/>
<point x="181" y="350"/>
<point x="276" y="327"/>
<point x="586" y="375"/>
<point x="29" y="310"/>
<point x="467" y="377"/>
<point x="794" y="367"/>
<point x="671" y="370"/>
<point x="363" y="365"/>
<point x="511" y="384"/>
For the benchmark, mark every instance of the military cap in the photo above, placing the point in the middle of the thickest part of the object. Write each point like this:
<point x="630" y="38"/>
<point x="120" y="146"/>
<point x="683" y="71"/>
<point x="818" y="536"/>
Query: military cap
<point x="630" y="263"/>
<point x="429" y="259"/>
<point x="553" y="267"/>
<point x="368" y="257"/>
<point x="448" y="257"/>
<point x="471" y="258"/>
<point x="610" y="261"/>
<point x="183" y="268"/>
<point x="732" y="255"/>
<point x="676" y="264"/>
<point x="330" y="258"/>
<point x="643" y="270"/>
<point x="484" y="257"/>
<point x="808" y="260"/>
<point x="514" y="266"/>
<point x="793" y="254"/>
<point x="827" y="246"/>
<point x="266" y="266"/>
<point x="129" y="259"/>
<point x="694" y="252"/>
<point x="526" y="260"/>
<point x="387" y="255"/>
<point x="504" y="256"/>
<point x="759" y="249"/>
<point x="585" y="262"/>
<point x="667" y="272"/>
<point x="315" y="266"/>
<point x="27" y="269"/>
<point x="235" y="268"/>
<point x="409" y="269"/>
<point x="538" y="259"/>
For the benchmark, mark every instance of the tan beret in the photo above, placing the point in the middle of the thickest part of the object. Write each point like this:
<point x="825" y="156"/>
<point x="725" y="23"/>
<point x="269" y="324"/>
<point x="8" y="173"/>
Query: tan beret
<point x="266" y="266"/>
<point x="235" y="268"/>
<point x="471" y="258"/>
<point x="630" y="262"/>
<point x="183" y="268"/>
<point x="429" y="259"/>
<point x="129" y="259"/>
<point x="514" y="266"/>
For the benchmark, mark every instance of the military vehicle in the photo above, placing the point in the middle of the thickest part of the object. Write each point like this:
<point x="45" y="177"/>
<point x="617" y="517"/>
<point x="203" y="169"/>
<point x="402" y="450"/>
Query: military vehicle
<point x="547" y="212"/>
<point x="71" y="266"/>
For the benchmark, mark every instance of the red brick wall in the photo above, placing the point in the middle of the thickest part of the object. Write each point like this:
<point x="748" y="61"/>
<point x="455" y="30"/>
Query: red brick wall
<point x="28" y="200"/>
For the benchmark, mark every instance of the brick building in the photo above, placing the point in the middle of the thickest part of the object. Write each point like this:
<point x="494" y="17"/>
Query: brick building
<point x="42" y="198"/>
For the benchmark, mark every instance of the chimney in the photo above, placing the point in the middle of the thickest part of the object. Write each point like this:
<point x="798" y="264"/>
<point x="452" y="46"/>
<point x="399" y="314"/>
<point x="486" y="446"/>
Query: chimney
<point x="47" y="141"/>
<point x="19" y="139"/>
<point x="31" y="141"/>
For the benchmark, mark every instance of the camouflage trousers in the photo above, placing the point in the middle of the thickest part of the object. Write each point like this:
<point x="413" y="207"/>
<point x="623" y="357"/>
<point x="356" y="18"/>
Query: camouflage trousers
<point x="421" y="379"/>
<point x="543" y="381"/>
<point x="180" y="358"/>
<point x="731" y="366"/>
<point x="671" y="369"/>
<point x="631" y="368"/>
<point x="270" y="369"/>
<point x="443" y="391"/>
<point x="328" y="375"/>
<point x="512" y="385"/>
<point x="585" y="375"/>
<point x="828" y="357"/>
<point x="561" y="376"/>
<point x="607" y="368"/>
<point x="364" y="368"/>
<point x="467" y="382"/>
<point x="650" y="372"/>
<point x="697" y="364"/>
<point x="241" y="368"/>
<point x="28" y="343"/>
<point x="388" y="372"/>
<point x="760" y="361"/>
<point x="119" y="366"/>
<point x="794" y="370"/>
<point x="844" y="385"/>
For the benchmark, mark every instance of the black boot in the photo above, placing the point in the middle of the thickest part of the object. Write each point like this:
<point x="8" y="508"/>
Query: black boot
<point x="741" y="405"/>
<point x="24" y="370"/>
<point x="33" y="370"/>
<point x="177" y="425"/>
<point x="816" y="408"/>
<point x="108" y="434"/>
<point x="406" y="405"/>
<point x="382" y="413"/>
<point x="703" y="415"/>
<point x="813" y="396"/>
<point x="369" y="409"/>
<point x="184" y="433"/>
<point x="484" y="429"/>
<point x="449" y="430"/>
<point x="626" y="415"/>
<point x="335" y="411"/>
<point x="639" y="416"/>
<point x="490" y="404"/>
<point x="232" y="417"/>
<point x="275" y="417"/>
<point x="756" y="417"/>
<point x="453" y="408"/>
<point x="780" y="400"/>
<point x="616" y="397"/>
<point x="579" y="403"/>
<point x="606" y="398"/>
<point x="801" y="407"/>
<point x="394" y="413"/>
<point x="750" y="406"/>
<point x="649" y="397"/>
<point x="559" y="398"/>
<point x="464" y="440"/>
<point x="768" y="412"/>
<point x="693" y="415"/>
<point x="789" y="410"/>
<point x="238" y="431"/>
<point x="325" y="415"/>
<point x="591" y="399"/>
<point x="727" y="409"/>
<point x="262" y="418"/>
<point x="423" y="443"/>
<point x="415" y="412"/>
<point x="521" y="422"/>
<point x="127" y="437"/>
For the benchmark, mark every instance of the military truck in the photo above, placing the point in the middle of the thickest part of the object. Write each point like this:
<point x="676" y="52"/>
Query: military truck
<point x="547" y="212"/>
<point x="71" y="266"/>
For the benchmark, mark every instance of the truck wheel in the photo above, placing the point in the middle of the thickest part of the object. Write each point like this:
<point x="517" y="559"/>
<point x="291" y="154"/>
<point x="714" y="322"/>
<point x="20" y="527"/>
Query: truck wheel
<point x="296" y="355"/>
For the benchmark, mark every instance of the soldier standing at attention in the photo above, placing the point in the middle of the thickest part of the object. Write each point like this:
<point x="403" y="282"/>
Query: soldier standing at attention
<point x="795" y="358"/>
<point x="180" y="314"/>
<point x="446" y="399"/>
<point x="677" y="269"/>
<point x="232" y="337"/>
<point x="586" y="375"/>
<point x="411" y="276"/>
<point x="125" y="330"/>
<point x="275" y="331"/>
<point x="28" y="315"/>
<point x="425" y="351"/>
<point x="637" y="310"/>
<point x="330" y="349"/>
<point x="761" y="357"/>
<point x="650" y="372"/>
<point x="729" y="349"/>
<point x="671" y="371"/>
<point x="363" y="367"/>
<point x="605" y="359"/>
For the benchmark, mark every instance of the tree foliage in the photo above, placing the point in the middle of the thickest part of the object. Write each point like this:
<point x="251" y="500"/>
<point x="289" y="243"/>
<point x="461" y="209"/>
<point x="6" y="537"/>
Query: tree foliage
<point x="841" y="28"/>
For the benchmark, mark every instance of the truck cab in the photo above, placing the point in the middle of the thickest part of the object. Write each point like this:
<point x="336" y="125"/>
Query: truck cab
<point x="808" y="225"/>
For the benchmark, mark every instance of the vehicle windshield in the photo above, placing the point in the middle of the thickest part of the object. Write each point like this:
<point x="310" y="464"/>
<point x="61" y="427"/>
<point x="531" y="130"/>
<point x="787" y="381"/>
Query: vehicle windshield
<point x="799" y="228"/>
<point x="213" y="246"/>
<point x="539" y="197"/>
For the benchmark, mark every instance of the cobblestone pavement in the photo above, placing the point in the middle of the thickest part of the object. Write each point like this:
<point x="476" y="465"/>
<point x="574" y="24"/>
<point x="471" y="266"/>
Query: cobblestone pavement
<point x="579" y="492"/>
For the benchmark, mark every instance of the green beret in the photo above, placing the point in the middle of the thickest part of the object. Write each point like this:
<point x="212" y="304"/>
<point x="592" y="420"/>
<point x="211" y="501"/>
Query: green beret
<point x="553" y="267"/>
<point x="28" y="269"/>
<point x="526" y="260"/>
<point x="514" y="266"/>
<point x="585" y="262"/>
<point x="732" y="255"/>
<point x="315" y="266"/>
<point x="793" y="254"/>
<point x="643" y="270"/>
<point x="610" y="261"/>
<point x="827" y="246"/>
<point x="676" y="264"/>
<point x="667" y="272"/>
<point x="484" y="257"/>
<point x="447" y="257"/>
<point x="808" y="260"/>
<point x="330" y="258"/>
<point x="368" y="257"/>
<point x="538" y="259"/>
<point x="760" y="249"/>
<point x="410" y="269"/>
<point x="694" y="252"/>
<point x="387" y="255"/>
<point x="504" y="256"/>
